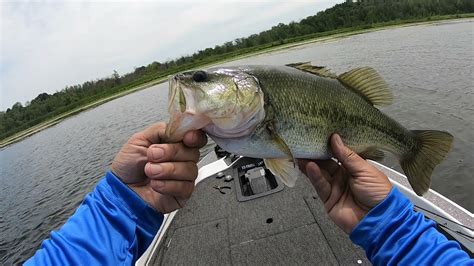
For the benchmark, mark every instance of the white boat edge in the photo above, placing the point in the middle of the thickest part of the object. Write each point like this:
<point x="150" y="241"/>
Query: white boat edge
<point x="454" y="219"/>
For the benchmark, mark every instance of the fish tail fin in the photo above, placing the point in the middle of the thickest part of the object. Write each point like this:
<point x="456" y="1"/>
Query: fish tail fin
<point x="431" y="148"/>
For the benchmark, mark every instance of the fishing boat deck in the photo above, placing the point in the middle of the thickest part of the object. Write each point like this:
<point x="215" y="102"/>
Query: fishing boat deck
<point x="287" y="227"/>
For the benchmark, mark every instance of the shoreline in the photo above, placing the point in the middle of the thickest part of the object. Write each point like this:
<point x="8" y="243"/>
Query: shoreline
<point x="51" y="122"/>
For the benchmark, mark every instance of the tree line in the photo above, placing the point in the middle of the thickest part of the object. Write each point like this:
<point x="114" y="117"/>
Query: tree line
<point x="345" y="16"/>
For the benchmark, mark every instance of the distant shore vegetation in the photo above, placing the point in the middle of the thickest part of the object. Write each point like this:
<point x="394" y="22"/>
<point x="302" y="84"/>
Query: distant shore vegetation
<point x="344" y="17"/>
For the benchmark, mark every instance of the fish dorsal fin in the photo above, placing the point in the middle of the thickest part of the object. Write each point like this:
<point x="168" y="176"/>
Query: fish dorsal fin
<point x="285" y="169"/>
<point x="369" y="84"/>
<point x="317" y="70"/>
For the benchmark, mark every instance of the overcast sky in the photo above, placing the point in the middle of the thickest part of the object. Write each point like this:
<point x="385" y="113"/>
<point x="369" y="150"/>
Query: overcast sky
<point x="46" y="46"/>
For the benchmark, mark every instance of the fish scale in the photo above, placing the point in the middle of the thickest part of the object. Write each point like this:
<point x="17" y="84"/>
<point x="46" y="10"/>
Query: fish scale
<point x="282" y="113"/>
<point x="327" y="107"/>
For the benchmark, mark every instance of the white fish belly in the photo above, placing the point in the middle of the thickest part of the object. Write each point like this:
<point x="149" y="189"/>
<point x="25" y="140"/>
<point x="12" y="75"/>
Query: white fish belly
<point x="245" y="146"/>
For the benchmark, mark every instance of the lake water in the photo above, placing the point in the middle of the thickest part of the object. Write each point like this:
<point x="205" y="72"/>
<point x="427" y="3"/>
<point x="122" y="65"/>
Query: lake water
<point x="429" y="68"/>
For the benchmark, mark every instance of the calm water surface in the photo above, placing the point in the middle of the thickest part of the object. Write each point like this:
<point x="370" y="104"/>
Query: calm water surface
<point x="429" y="68"/>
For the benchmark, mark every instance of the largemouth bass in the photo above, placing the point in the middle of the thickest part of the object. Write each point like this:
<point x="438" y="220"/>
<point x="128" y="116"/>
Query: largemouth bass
<point x="283" y="113"/>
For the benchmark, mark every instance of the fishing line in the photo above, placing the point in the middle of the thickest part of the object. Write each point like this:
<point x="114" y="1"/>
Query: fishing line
<point x="462" y="225"/>
<point x="177" y="201"/>
<point x="461" y="233"/>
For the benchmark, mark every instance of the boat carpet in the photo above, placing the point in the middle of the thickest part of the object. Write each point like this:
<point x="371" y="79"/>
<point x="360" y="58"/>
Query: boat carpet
<point x="289" y="227"/>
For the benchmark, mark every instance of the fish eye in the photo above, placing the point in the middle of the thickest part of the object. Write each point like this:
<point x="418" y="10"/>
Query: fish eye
<point x="200" y="76"/>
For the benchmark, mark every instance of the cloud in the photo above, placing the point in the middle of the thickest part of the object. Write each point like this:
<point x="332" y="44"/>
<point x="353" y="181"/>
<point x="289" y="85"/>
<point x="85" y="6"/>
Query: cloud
<point x="46" y="46"/>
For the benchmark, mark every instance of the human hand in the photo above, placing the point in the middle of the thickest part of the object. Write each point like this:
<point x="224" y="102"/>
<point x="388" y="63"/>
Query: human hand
<point x="162" y="174"/>
<point x="349" y="190"/>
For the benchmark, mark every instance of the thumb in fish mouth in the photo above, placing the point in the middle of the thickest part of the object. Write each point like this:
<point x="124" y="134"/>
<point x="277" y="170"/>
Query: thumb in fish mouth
<point x="169" y="132"/>
<point x="181" y="123"/>
<point x="174" y="132"/>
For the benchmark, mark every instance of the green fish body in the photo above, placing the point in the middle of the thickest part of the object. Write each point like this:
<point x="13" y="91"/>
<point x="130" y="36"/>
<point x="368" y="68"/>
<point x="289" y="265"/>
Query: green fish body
<point x="290" y="112"/>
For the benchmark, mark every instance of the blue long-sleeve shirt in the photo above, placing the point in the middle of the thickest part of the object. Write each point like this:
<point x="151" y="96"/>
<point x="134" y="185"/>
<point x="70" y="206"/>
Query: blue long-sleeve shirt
<point x="114" y="226"/>
<point x="392" y="233"/>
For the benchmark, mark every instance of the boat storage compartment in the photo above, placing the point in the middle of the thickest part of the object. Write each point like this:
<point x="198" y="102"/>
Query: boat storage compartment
<point x="254" y="180"/>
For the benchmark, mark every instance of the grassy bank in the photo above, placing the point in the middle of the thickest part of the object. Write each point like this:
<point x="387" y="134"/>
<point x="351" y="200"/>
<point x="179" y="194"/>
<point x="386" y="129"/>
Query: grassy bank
<point x="219" y="59"/>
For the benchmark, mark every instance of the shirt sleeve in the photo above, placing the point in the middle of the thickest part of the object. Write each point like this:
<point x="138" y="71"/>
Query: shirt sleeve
<point x="112" y="226"/>
<point x="392" y="233"/>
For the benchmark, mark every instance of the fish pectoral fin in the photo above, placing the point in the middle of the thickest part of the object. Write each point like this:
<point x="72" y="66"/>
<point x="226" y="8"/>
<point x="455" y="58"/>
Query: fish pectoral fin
<point x="270" y="126"/>
<point x="284" y="168"/>
<point x="317" y="70"/>
<point x="369" y="84"/>
<point x="372" y="154"/>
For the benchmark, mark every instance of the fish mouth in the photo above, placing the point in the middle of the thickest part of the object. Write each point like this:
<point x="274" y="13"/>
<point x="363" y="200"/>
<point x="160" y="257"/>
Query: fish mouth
<point x="184" y="116"/>
<point x="173" y="88"/>
<point x="175" y="114"/>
